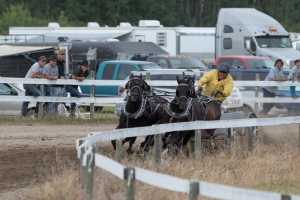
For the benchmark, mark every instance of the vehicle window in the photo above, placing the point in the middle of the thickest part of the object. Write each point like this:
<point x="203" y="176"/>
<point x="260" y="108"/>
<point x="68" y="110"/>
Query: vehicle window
<point x="4" y="89"/>
<point x="260" y="63"/>
<point x="251" y="76"/>
<point x="149" y="66"/>
<point x="188" y="63"/>
<point x="227" y="43"/>
<point x="238" y="64"/>
<point x="226" y="60"/>
<point x="228" y="29"/>
<point x="162" y="63"/>
<point x="108" y="71"/>
<point x="234" y="75"/>
<point x="274" y="41"/>
<point x="125" y="70"/>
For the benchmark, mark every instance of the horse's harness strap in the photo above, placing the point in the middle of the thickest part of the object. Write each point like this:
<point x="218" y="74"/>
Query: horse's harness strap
<point x="185" y="114"/>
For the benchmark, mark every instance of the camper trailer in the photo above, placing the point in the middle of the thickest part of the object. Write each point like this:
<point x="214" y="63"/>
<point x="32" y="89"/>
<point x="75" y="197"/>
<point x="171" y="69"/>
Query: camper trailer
<point x="192" y="41"/>
<point x="246" y="31"/>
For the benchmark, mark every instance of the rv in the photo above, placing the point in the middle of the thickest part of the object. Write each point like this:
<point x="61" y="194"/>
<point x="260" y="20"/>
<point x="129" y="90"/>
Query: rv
<point x="192" y="41"/>
<point x="246" y="31"/>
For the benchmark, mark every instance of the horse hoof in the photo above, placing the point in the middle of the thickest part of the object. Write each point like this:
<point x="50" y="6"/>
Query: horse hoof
<point x="130" y="151"/>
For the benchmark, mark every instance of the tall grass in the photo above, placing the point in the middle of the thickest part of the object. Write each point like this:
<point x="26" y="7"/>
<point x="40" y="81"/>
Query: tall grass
<point x="272" y="166"/>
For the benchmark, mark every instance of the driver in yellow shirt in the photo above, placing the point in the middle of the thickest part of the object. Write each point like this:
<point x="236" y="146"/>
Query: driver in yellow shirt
<point x="217" y="81"/>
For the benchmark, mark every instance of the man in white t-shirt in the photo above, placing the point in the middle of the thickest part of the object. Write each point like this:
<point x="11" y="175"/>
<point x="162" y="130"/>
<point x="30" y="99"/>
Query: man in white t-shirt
<point x="36" y="71"/>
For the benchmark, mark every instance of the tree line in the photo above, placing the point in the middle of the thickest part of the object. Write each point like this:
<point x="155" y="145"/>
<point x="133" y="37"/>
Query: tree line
<point x="192" y="13"/>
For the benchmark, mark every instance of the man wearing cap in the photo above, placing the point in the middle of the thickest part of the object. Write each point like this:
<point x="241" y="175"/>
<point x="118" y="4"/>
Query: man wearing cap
<point x="61" y="71"/>
<point x="51" y="73"/>
<point x="294" y="75"/>
<point x="36" y="71"/>
<point x="80" y="73"/>
<point x="217" y="83"/>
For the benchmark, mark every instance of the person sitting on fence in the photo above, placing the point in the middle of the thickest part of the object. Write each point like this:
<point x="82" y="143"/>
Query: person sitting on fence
<point x="294" y="75"/>
<point x="217" y="82"/>
<point x="36" y="71"/>
<point x="79" y="74"/>
<point x="275" y="74"/>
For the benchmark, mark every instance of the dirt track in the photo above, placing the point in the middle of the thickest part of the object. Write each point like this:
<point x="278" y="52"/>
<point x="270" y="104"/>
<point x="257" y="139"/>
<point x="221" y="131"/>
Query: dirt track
<point x="30" y="153"/>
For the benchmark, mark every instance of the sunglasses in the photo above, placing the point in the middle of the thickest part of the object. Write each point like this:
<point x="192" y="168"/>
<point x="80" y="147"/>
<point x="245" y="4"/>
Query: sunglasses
<point x="222" y="72"/>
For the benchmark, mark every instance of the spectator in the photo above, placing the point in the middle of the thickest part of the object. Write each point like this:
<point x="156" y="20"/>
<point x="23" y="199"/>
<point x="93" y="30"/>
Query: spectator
<point x="79" y="74"/>
<point x="294" y="74"/>
<point x="61" y="71"/>
<point x="275" y="74"/>
<point x="51" y="73"/>
<point x="36" y="71"/>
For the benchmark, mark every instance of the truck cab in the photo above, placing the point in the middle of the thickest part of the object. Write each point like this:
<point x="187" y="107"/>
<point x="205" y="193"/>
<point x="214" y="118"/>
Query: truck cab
<point x="246" y="31"/>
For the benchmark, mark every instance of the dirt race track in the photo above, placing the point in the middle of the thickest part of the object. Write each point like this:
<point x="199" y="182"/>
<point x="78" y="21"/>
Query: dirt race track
<point x="30" y="153"/>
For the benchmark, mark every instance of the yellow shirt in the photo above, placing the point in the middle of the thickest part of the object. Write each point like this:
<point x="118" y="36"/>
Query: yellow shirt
<point x="211" y="83"/>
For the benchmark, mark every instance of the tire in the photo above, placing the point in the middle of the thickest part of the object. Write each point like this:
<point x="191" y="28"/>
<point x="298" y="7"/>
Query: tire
<point x="247" y="110"/>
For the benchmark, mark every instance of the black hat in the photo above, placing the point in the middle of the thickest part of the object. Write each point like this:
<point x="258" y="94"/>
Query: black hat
<point x="84" y="63"/>
<point x="53" y="57"/>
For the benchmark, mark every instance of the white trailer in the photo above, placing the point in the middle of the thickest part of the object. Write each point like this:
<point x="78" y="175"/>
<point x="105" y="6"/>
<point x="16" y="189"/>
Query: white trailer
<point x="194" y="41"/>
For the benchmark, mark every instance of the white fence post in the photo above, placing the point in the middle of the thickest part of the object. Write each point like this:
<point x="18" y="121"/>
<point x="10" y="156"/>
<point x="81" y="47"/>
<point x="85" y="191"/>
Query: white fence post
<point x="82" y="169"/>
<point x="157" y="149"/>
<point x="198" y="144"/>
<point x="118" y="153"/>
<point x="92" y="91"/>
<point x="90" y="169"/>
<point x="41" y="110"/>
<point x="194" y="190"/>
<point x="129" y="175"/>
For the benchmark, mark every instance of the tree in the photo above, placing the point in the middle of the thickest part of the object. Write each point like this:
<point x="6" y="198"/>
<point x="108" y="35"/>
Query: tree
<point x="16" y="15"/>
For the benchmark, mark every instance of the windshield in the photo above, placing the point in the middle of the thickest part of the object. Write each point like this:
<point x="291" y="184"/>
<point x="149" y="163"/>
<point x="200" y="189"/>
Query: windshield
<point x="260" y="63"/>
<point x="274" y="42"/>
<point x="187" y="63"/>
<point x="149" y="66"/>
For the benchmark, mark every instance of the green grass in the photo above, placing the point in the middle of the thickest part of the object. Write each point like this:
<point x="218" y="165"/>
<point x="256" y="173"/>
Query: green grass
<point x="283" y="186"/>
<point x="107" y="115"/>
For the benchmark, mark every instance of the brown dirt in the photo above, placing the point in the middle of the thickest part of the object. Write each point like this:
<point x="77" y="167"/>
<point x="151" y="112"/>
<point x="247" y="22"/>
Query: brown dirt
<point x="31" y="153"/>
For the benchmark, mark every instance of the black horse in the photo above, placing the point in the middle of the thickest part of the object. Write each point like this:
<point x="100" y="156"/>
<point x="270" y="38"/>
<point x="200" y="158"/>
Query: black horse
<point x="140" y="108"/>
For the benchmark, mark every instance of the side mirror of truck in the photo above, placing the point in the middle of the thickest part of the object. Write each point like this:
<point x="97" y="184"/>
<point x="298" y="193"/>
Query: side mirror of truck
<point x="298" y="46"/>
<point x="248" y="46"/>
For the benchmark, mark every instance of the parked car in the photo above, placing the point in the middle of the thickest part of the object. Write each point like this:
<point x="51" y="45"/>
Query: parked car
<point x="249" y="92"/>
<point x="178" y="62"/>
<point x="10" y="107"/>
<point x="247" y="62"/>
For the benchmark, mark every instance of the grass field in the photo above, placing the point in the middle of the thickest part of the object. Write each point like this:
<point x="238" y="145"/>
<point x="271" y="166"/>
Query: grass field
<point x="272" y="166"/>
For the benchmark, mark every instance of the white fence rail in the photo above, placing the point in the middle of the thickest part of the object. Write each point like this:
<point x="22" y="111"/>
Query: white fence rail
<point x="123" y="82"/>
<point x="175" y="184"/>
<point x="194" y="188"/>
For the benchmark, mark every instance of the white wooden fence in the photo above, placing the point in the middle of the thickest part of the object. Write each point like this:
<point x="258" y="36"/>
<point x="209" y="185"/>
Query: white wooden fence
<point x="89" y="159"/>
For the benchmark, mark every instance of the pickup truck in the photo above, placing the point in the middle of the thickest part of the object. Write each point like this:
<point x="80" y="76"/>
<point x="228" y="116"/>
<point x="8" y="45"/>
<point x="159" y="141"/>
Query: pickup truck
<point x="178" y="62"/>
<point x="246" y="62"/>
<point x="113" y="70"/>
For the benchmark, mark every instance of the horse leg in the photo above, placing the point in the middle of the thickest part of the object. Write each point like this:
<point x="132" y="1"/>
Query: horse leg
<point x="148" y="142"/>
<point x="211" y="143"/>
<point x="131" y="142"/>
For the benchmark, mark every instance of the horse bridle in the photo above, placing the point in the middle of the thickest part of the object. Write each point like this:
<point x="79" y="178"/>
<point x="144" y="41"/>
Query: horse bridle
<point x="140" y="90"/>
<point x="183" y="85"/>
